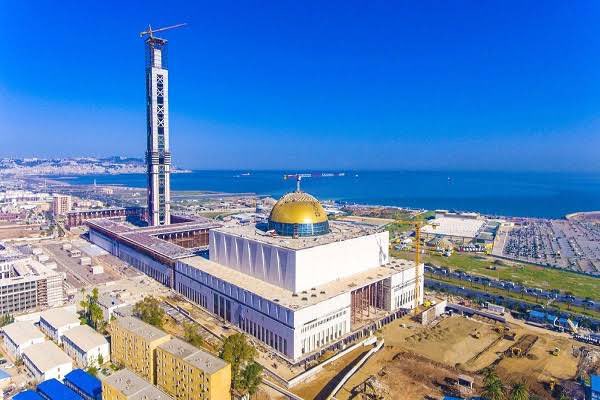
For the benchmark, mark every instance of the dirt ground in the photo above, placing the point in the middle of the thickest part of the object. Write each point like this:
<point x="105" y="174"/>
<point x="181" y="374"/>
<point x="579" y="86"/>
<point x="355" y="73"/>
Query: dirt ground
<point x="418" y="361"/>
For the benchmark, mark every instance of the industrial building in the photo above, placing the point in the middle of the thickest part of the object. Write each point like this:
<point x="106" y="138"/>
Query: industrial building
<point x="300" y="284"/>
<point x="126" y="385"/>
<point x="460" y="228"/>
<point x="55" y="322"/>
<point x="46" y="361"/>
<point x="85" y="346"/>
<point x="134" y="343"/>
<point x="188" y="373"/>
<point x="26" y="284"/>
<point x="18" y="336"/>
<point x="84" y="384"/>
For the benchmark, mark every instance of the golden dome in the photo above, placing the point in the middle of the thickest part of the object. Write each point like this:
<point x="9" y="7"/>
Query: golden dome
<point x="298" y="208"/>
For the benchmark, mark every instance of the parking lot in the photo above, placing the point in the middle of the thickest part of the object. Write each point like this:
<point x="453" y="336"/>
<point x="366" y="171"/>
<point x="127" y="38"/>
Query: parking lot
<point x="568" y="244"/>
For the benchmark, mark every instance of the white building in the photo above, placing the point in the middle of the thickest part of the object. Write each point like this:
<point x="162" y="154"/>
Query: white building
<point x="46" y="361"/>
<point x="109" y="303"/>
<point x="26" y="284"/>
<point x="20" y="335"/>
<point x="84" y="345"/>
<point x="305" y="292"/>
<point x="55" y="322"/>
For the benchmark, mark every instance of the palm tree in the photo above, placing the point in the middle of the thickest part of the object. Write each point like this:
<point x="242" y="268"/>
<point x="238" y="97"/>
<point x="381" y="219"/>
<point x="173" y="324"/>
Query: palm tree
<point x="519" y="392"/>
<point x="493" y="388"/>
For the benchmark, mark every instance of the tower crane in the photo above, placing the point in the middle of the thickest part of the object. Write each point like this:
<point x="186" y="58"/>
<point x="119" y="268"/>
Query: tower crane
<point x="150" y="32"/>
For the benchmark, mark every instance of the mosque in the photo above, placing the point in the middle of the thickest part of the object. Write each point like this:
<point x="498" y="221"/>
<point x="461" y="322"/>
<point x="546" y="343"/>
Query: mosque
<point x="300" y="284"/>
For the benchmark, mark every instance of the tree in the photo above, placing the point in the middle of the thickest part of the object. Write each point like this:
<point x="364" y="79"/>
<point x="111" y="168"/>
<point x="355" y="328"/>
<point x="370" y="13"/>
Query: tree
<point x="149" y="311"/>
<point x="92" y="370"/>
<point x="492" y="386"/>
<point x="245" y="375"/>
<point x="92" y="312"/>
<point x="191" y="335"/>
<point x="251" y="377"/>
<point x="100" y="360"/>
<point x="519" y="392"/>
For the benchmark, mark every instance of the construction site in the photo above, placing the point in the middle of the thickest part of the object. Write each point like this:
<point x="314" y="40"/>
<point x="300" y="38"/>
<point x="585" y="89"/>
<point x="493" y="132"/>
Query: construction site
<point x="450" y="356"/>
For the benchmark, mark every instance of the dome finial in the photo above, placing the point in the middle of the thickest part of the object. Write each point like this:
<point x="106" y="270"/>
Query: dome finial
<point x="298" y="179"/>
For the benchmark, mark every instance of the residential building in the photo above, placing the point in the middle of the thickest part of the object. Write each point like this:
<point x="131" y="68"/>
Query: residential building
<point x="55" y="322"/>
<point x="26" y="284"/>
<point x="52" y="389"/>
<point x="134" y="343"/>
<point x="85" y="346"/>
<point x="20" y="335"/>
<point x="188" y="373"/>
<point x="84" y="384"/>
<point x="126" y="385"/>
<point x="61" y="204"/>
<point x="46" y="361"/>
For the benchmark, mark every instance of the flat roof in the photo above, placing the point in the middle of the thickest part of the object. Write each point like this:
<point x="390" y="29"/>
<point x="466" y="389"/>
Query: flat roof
<point x="28" y="395"/>
<point x="20" y="332"/>
<point x="134" y="387"/>
<point x="85" y="337"/>
<point x="59" y="317"/>
<point x="146" y="237"/>
<point x="52" y="389"/>
<point x="140" y="328"/>
<point x="109" y="300"/>
<point x="46" y="356"/>
<point x="193" y="355"/>
<point x="85" y="382"/>
<point x="454" y="226"/>
<point x="296" y="301"/>
<point x="340" y="230"/>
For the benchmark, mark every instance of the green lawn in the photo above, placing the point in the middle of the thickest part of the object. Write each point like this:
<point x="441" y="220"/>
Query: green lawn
<point x="579" y="285"/>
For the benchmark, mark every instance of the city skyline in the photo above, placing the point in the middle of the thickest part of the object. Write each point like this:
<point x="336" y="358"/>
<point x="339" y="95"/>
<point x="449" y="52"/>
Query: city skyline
<point x="492" y="87"/>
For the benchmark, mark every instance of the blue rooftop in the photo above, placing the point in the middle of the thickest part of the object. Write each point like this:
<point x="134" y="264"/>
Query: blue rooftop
<point x="595" y="383"/>
<point x="86" y="383"/>
<point x="52" y="389"/>
<point x="4" y="374"/>
<point x="28" y="395"/>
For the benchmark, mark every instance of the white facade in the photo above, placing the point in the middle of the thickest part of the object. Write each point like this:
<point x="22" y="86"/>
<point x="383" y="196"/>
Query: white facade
<point x="46" y="361"/>
<point x="84" y="345"/>
<point x="18" y="336"/>
<point x="55" y="322"/>
<point x="299" y="269"/>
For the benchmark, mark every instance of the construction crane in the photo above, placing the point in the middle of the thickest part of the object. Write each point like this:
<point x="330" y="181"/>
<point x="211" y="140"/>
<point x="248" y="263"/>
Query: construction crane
<point x="150" y="32"/>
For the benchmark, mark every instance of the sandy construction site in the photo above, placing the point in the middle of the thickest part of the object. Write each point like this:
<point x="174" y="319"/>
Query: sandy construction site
<point x="419" y="361"/>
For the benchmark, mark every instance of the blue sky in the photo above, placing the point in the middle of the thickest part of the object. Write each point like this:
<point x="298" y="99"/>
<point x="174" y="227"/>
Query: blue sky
<point x="379" y="85"/>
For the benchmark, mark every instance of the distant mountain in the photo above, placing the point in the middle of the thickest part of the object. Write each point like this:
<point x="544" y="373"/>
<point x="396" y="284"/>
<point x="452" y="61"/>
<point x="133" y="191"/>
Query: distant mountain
<point x="75" y="166"/>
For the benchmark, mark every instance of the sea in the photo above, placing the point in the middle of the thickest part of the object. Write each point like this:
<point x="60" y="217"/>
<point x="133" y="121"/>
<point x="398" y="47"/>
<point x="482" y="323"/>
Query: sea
<point x="521" y="194"/>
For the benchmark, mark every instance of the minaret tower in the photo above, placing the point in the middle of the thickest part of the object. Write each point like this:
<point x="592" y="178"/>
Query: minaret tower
<point x="158" y="155"/>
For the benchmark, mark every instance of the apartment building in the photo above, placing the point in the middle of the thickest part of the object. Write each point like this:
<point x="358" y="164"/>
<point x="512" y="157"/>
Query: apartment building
<point x="188" y="373"/>
<point x="134" y="343"/>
